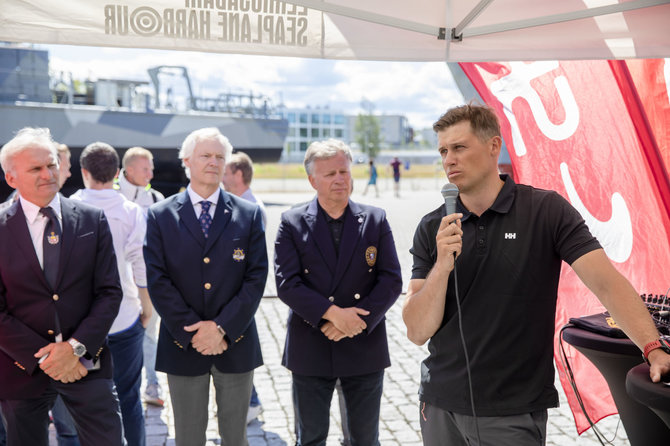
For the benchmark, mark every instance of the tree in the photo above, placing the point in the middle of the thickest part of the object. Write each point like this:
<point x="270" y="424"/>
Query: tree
<point x="368" y="134"/>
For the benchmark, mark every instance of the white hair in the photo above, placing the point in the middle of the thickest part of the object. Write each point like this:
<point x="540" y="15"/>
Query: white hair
<point x="204" y="134"/>
<point x="26" y="138"/>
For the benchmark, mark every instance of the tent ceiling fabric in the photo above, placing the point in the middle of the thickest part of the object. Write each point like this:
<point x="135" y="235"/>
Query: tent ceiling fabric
<point x="421" y="30"/>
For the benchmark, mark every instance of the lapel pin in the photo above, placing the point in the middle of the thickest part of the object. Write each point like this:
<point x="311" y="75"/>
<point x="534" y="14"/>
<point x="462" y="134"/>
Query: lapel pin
<point x="52" y="238"/>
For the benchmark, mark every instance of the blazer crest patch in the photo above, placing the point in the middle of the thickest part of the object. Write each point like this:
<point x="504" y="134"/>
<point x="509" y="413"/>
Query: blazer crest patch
<point x="371" y="255"/>
<point x="238" y="254"/>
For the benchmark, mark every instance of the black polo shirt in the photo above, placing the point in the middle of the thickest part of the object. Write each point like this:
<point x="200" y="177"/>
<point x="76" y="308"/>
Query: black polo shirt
<point x="335" y="226"/>
<point x="508" y="275"/>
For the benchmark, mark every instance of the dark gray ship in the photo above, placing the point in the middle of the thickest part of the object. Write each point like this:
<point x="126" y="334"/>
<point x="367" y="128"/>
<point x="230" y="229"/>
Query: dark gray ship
<point x="128" y="113"/>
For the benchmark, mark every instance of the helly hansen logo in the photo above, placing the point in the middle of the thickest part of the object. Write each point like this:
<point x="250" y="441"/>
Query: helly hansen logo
<point x="510" y="235"/>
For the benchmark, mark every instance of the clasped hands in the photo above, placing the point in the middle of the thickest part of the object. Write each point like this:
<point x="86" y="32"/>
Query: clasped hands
<point x="207" y="340"/>
<point x="61" y="364"/>
<point x="343" y="322"/>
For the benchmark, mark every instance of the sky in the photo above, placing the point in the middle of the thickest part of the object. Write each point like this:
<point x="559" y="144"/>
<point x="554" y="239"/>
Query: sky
<point x="419" y="91"/>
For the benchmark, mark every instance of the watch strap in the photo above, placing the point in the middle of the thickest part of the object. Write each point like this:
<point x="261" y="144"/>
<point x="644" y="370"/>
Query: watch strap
<point x="653" y="345"/>
<point x="78" y="348"/>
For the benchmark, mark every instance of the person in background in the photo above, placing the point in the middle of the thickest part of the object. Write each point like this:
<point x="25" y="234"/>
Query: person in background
<point x="135" y="176"/>
<point x="337" y="269"/>
<point x="64" y="164"/>
<point x="237" y="178"/>
<point x="99" y="166"/>
<point x="373" y="179"/>
<point x="206" y="260"/>
<point x="57" y="302"/>
<point x="395" y="166"/>
<point x="507" y="290"/>
<point x="134" y="183"/>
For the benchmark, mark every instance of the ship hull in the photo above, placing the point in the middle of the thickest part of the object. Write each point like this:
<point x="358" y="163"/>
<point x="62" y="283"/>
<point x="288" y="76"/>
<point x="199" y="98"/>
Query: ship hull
<point x="161" y="132"/>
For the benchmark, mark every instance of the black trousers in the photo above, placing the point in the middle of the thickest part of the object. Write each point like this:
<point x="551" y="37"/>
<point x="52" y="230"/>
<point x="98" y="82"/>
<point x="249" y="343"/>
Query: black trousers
<point x="93" y="404"/>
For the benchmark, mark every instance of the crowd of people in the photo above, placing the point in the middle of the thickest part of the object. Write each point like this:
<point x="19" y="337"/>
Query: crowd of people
<point x="117" y="278"/>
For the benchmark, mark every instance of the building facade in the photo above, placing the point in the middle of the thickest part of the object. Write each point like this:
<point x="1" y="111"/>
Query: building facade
<point x="312" y="124"/>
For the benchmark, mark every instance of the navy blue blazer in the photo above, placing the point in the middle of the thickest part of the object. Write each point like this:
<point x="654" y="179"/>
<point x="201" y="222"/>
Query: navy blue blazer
<point x="311" y="277"/>
<point x="85" y="300"/>
<point x="193" y="279"/>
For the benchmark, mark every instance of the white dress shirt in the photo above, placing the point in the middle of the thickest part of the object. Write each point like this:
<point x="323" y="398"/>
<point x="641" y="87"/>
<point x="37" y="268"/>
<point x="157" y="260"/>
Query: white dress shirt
<point x="196" y="199"/>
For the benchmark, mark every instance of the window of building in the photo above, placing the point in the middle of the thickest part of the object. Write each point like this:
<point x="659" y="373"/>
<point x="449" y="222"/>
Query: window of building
<point x="303" y="118"/>
<point x="338" y="133"/>
<point x="315" y="118"/>
<point x="303" y="146"/>
<point x="303" y="132"/>
<point x="326" y="133"/>
<point x="291" y="118"/>
<point x="326" y="119"/>
<point x="338" y="119"/>
<point x="315" y="132"/>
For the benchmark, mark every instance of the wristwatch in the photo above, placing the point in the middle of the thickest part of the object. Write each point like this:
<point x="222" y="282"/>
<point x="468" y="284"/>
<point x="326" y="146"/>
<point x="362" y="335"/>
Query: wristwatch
<point x="659" y="343"/>
<point x="78" y="348"/>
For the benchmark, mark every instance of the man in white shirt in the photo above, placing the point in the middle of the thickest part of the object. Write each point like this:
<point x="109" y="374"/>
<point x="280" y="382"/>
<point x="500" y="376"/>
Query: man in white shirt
<point x="99" y="165"/>
<point x="133" y="183"/>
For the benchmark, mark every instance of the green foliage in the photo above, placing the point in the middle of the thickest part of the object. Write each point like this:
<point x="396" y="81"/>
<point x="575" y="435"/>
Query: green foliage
<point x="368" y="134"/>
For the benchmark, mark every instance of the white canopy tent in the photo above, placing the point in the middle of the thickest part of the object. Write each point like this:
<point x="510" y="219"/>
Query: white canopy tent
<point x="420" y="30"/>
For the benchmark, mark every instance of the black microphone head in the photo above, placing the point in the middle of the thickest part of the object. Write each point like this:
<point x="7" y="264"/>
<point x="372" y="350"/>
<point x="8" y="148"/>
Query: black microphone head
<point x="449" y="190"/>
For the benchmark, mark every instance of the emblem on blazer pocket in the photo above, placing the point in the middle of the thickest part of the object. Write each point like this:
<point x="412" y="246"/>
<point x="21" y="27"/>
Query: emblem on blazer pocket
<point x="371" y="255"/>
<point x="238" y="254"/>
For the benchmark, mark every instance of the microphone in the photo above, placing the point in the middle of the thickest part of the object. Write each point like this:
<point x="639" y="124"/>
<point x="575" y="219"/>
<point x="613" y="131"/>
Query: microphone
<point x="449" y="193"/>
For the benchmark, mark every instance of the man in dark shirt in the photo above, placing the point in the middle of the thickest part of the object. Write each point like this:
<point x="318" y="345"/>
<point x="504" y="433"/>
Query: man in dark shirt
<point x="509" y="242"/>
<point x="336" y="267"/>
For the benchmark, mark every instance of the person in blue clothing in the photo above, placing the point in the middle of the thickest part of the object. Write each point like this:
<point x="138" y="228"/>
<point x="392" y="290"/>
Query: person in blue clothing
<point x="373" y="179"/>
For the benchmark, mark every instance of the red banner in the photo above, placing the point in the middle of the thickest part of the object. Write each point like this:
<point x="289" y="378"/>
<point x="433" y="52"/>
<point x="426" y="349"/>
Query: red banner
<point x="568" y="128"/>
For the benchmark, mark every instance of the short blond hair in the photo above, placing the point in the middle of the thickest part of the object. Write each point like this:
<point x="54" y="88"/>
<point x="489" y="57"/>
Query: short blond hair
<point x="133" y="153"/>
<point x="63" y="149"/>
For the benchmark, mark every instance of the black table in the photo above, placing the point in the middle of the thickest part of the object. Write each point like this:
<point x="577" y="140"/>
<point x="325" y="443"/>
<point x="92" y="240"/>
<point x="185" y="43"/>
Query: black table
<point x="656" y="396"/>
<point x="614" y="358"/>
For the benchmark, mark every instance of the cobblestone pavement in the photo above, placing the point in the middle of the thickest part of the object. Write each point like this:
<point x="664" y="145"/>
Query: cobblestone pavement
<point x="399" y="424"/>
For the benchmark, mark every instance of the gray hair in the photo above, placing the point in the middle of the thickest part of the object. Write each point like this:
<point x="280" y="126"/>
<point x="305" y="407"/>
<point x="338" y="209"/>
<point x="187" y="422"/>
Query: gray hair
<point x="26" y="138"/>
<point x="204" y="134"/>
<point x="321" y="150"/>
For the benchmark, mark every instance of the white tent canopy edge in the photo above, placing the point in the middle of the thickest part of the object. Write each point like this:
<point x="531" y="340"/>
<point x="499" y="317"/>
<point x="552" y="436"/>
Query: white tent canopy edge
<point x="421" y="30"/>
